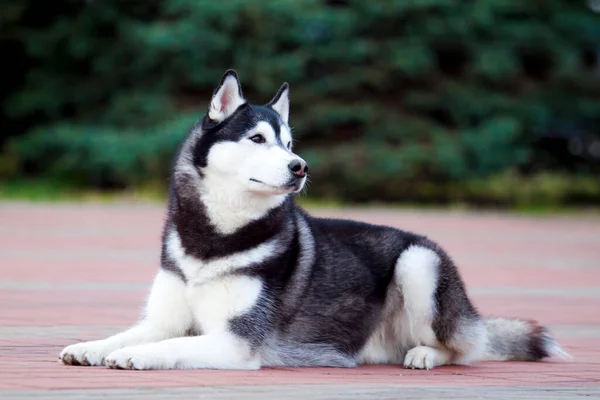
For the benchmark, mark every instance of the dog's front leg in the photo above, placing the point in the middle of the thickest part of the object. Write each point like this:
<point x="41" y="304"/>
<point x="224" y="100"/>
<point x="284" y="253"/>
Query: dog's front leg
<point x="218" y="350"/>
<point x="167" y="315"/>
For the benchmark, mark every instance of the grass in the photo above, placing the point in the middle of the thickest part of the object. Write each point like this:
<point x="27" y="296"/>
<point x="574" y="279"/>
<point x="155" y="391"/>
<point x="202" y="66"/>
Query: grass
<point x="44" y="191"/>
<point x="542" y="195"/>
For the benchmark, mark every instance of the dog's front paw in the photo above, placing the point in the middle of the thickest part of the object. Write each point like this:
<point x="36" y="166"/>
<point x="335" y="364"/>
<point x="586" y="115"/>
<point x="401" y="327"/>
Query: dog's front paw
<point x="87" y="353"/>
<point x="138" y="357"/>
<point x="421" y="357"/>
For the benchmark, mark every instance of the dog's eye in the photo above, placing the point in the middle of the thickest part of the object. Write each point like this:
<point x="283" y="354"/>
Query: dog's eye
<point x="258" y="139"/>
<point x="289" y="145"/>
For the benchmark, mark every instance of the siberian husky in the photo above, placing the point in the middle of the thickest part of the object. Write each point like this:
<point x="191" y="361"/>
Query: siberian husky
<point x="248" y="279"/>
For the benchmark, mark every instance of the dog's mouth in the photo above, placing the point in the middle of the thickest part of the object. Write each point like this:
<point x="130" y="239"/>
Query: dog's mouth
<point x="291" y="186"/>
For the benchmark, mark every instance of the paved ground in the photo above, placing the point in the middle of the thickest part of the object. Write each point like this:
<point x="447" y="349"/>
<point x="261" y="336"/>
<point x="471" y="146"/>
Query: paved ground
<point x="70" y="273"/>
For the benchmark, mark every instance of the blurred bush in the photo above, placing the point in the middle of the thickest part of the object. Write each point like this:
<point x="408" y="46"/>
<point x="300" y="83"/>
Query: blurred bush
<point x="426" y="100"/>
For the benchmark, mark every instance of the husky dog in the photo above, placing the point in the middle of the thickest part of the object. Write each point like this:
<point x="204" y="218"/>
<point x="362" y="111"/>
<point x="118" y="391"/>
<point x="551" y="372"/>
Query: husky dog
<point x="248" y="279"/>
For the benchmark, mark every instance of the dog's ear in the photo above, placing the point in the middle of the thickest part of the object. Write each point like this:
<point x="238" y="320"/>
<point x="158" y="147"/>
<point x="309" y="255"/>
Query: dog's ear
<point x="281" y="102"/>
<point x="226" y="98"/>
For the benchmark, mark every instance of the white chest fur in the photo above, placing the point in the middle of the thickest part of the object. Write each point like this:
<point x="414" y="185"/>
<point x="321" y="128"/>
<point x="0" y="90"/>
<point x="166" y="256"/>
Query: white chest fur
<point x="216" y="302"/>
<point x="214" y="294"/>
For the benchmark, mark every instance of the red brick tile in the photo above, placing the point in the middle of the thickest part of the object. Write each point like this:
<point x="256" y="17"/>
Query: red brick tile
<point x="119" y="245"/>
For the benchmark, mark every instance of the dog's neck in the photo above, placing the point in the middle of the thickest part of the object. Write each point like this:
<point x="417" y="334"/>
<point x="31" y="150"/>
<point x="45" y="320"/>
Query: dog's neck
<point x="214" y="223"/>
<point x="231" y="207"/>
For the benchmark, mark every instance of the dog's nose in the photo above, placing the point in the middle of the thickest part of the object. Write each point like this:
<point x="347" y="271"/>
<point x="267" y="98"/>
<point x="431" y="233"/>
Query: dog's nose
<point x="298" y="168"/>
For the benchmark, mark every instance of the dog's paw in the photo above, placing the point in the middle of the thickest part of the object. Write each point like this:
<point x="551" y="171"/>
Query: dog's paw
<point x="138" y="357"/>
<point x="421" y="357"/>
<point x="87" y="353"/>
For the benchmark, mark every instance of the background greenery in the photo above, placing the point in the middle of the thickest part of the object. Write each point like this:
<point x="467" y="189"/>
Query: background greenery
<point x="477" y="101"/>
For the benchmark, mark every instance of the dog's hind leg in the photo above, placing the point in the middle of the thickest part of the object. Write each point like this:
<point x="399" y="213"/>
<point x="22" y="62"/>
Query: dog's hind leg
<point x="428" y="320"/>
<point x="167" y="316"/>
<point x="446" y="328"/>
<point x="443" y="327"/>
<point x="417" y="275"/>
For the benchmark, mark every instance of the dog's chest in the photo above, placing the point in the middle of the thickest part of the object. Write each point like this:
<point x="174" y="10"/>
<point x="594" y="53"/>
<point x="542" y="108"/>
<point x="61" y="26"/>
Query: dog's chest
<point x="216" y="289"/>
<point x="216" y="302"/>
<point x="215" y="294"/>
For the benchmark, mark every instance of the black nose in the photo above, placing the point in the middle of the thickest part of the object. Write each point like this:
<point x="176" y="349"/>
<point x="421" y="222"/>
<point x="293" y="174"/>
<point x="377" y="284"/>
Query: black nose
<point x="298" y="168"/>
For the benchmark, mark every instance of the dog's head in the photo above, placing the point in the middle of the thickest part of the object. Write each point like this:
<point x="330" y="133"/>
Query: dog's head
<point x="248" y="146"/>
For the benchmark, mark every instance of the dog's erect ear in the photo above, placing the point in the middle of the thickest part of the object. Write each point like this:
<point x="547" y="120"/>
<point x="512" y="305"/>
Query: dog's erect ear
<point x="281" y="102"/>
<point x="227" y="97"/>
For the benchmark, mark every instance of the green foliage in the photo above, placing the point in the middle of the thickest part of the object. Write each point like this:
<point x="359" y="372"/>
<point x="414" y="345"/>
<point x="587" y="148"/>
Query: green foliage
<point x="103" y="156"/>
<point x="420" y="96"/>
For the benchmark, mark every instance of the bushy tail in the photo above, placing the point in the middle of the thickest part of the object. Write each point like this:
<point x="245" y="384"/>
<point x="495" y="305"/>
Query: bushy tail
<point x="517" y="340"/>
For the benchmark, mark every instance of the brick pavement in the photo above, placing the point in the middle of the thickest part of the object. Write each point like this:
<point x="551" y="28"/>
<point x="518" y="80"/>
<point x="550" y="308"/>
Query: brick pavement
<point x="78" y="272"/>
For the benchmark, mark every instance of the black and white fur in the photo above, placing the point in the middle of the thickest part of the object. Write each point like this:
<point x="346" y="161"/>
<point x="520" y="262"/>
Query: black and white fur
<point x="248" y="279"/>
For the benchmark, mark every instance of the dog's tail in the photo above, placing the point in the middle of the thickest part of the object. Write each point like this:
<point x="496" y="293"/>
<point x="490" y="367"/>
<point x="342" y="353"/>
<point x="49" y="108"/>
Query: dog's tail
<point x="517" y="340"/>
